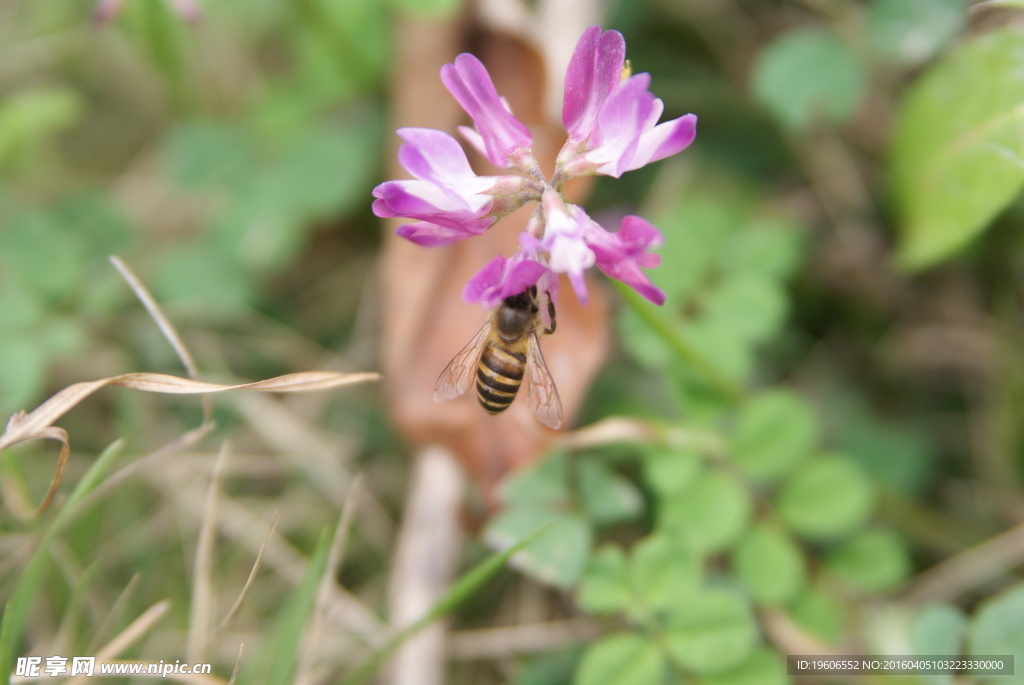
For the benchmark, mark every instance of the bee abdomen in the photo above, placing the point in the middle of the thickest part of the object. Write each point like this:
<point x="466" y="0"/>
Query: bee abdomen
<point x="498" y="377"/>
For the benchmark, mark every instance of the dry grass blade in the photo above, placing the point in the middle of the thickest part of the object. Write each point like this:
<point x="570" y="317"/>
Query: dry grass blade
<point x="249" y="581"/>
<point x="114" y="615"/>
<point x="39" y="423"/>
<point x="24" y="426"/>
<point x="200" y="621"/>
<point x="129" y="636"/>
<point x="59" y="435"/>
<point x="238" y="664"/>
<point x="304" y="672"/>
<point x="164" y="324"/>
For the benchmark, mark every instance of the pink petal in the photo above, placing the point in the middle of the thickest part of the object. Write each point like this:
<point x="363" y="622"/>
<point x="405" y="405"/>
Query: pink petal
<point x="469" y="83"/>
<point x="431" y="154"/>
<point x="502" y="278"/>
<point x="432" y="235"/>
<point x="594" y="71"/>
<point x="665" y="140"/>
<point x="621" y="120"/>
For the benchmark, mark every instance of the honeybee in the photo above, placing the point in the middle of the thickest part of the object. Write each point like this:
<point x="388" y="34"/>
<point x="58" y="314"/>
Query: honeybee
<point x="500" y="354"/>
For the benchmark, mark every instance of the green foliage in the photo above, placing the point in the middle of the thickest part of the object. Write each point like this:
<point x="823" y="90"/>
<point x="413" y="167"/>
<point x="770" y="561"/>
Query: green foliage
<point x="725" y="293"/>
<point x="806" y="75"/>
<point x="912" y="31"/>
<point x="278" y="660"/>
<point x="28" y="123"/>
<point x="998" y="628"/>
<point x="715" y="632"/>
<point x="770" y="565"/>
<point x="957" y="153"/>
<point x="709" y="514"/>
<point x="938" y="629"/>
<point x="46" y="254"/>
<point x="267" y="199"/>
<point x="621" y="659"/>
<point x="872" y="560"/>
<point x="829" y="497"/>
<point x="762" y="667"/>
<point x="774" y="432"/>
<point x="29" y="582"/>
<point x="805" y="451"/>
<point x="542" y="496"/>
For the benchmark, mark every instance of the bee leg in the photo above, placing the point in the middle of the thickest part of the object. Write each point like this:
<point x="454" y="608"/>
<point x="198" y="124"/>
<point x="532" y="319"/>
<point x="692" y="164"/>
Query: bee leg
<point x="551" y="313"/>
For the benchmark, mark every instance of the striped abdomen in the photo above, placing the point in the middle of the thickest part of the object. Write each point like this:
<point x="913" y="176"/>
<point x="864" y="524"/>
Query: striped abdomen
<point x="499" y="374"/>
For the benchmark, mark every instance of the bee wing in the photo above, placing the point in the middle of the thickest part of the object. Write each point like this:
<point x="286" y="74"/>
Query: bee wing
<point x="541" y="394"/>
<point x="455" y="378"/>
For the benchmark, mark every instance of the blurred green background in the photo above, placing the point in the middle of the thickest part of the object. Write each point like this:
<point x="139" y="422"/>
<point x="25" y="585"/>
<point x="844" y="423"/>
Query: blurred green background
<point x="836" y="381"/>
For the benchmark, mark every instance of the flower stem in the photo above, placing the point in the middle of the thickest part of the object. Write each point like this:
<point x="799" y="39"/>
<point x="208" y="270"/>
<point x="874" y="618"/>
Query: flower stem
<point x="660" y="324"/>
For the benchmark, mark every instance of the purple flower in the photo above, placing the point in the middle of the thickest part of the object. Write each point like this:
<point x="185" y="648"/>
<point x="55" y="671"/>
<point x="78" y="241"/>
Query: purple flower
<point x="449" y="200"/>
<point x="503" y="278"/>
<point x="622" y="254"/>
<point x="504" y="139"/>
<point x="611" y="120"/>
<point x="594" y="71"/>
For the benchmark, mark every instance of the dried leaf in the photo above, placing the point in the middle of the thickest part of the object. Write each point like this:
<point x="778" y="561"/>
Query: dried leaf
<point x="426" y="321"/>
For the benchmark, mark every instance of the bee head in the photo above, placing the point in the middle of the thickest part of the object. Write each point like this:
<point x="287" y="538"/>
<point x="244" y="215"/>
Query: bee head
<point x="524" y="301"/>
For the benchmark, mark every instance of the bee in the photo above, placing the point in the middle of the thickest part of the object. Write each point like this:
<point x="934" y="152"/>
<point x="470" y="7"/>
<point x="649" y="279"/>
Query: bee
<point x="504" y="351"/>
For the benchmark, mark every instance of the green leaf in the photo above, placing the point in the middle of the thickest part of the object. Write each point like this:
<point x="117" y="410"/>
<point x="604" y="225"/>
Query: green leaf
<point x="713" y="631"/>
<point x="201" y="274"/>
<point x="721" y="349"/>
<point x="30" y="117"/>
<point x="808" y="74"/>
<point x="751" y="307"/>
<point x="549" y="668"/>
<point x="817" y="610"/>
<point x="557" y="557"/>
<point x="668" y="471"/>
<point x="762" y="667"/>
<point x="707" y="223"/>
<point x="956" y="159"/>
<point x="826" y="498"/>
<point x="898" y="456"/>
<point x="938" y="629"/>
<point x="206" y="155"/>
<point x="873" y="560"/>
<point x="709" y="514"/>
<point x="605" y="586"/>
<point x="621" y="659"/>
<point x="769" y="564"/>
<point x="775" y="431"/>
<point x="663" y="572"/>
<point x="542" y="484"/>
<point x="22" y="374"/>
<point x="998" y="628"/>
<point x="44" y="254"/>
<point x="767" y="247"/>
<point x="912" y="31"/>
<point x="607" y="497"/>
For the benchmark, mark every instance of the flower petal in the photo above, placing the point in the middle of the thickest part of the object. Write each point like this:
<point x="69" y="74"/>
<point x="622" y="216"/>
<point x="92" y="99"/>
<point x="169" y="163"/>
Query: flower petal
<point x="429" y="234"/>
<point x="502" y="278"/>
<point x="622" y="120"/>
<point x="435" y="156"/>
<point x="622" y="254"/>
<point x="504" y="136"/>
<point x="594" y="71"/>
<point x="664" y="140"/>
